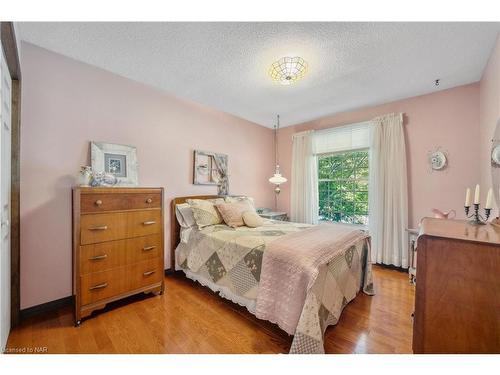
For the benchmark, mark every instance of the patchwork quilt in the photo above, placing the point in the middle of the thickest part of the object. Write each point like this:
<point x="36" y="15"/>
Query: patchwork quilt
<point x="231" y="258"/>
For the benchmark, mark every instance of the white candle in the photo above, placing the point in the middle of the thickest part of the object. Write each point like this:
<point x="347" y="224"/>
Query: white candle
<point x="476" y="195"/>
<point x="467" y="197"/>
<point x="488" y="199"/>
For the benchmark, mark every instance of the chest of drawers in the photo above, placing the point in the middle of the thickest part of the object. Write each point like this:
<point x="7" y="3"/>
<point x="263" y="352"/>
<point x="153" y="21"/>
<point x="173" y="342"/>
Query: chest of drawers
<point x="457" y="304"/>
<point x="117" y="245"/>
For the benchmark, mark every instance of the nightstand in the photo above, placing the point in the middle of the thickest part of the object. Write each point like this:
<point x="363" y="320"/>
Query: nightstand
<point x="281" y="216"/>
<point x="412" y="254"/>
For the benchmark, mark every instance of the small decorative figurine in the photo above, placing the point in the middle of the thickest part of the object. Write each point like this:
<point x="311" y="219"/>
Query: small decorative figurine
<point x="103" y="179"/>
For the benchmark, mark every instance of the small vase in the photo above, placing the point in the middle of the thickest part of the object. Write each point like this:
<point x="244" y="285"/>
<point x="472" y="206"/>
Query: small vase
<point x="85" y="176"/>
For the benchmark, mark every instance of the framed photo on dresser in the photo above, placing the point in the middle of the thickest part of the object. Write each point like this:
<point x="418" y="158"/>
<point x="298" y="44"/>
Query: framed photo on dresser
<point x="115" y="159"/>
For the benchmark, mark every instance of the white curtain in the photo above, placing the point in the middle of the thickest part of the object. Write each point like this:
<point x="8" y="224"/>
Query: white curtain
<point x="388" y="193"/>
<point x="304" y="189"/>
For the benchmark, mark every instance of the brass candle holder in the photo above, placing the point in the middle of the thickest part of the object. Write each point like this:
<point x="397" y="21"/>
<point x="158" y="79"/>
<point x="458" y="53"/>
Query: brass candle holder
<point x="476" y="218"/>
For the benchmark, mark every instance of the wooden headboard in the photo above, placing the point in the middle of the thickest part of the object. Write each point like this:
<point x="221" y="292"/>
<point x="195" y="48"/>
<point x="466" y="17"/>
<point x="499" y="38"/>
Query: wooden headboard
<point x="175" y="228"/>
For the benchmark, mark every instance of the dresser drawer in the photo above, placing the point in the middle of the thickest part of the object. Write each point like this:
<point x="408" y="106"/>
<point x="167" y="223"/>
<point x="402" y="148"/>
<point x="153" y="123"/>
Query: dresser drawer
<point x="116" y="202"/>
<point x="95" y="228"/>
<point x="113" y="254"/>
<point x="146" y="273"/>
<point x="102" y="285"/>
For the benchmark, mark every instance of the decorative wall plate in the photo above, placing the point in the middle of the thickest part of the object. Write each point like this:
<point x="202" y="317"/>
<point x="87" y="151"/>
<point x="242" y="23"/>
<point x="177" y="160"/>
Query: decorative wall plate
<point x="495" y="155"/>
<point x="437" y="160"/>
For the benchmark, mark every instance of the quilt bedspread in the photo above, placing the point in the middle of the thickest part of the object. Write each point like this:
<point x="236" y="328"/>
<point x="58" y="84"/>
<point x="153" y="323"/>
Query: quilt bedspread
<point x="232" y="258"/>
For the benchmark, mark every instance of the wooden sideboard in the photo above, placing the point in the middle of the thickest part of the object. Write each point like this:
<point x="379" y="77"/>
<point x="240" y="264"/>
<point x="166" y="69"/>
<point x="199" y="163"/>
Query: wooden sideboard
<point x="457" y="303"/>
<point x="117" y="245"/>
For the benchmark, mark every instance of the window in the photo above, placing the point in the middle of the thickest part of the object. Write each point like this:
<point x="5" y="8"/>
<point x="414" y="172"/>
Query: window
<point x="343" y="186"/>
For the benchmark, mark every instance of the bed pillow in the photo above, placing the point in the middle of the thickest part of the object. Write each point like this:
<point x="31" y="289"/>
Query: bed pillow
<point x="204" y="211"/>
<point x="184" y="214"/>
<point x="185" y="217"/>
<point x="252" y="219"/>
<point x="232" y="213"/>
<point x="240" y="199"/>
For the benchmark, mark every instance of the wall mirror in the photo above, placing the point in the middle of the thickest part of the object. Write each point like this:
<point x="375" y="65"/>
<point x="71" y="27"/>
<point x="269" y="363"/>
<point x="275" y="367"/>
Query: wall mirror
<point x="495" y="163"/>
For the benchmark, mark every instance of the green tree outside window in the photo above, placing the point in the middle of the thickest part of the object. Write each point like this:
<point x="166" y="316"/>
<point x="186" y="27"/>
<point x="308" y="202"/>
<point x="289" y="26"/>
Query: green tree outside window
<point x="343" y="187"/>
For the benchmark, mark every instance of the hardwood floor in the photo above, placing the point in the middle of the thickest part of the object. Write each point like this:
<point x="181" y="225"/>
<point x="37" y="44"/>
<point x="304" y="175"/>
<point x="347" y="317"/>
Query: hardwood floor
<point x="189" y="318"/>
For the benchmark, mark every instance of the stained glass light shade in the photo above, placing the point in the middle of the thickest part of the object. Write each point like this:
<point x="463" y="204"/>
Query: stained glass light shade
<point x="288" y="70"/>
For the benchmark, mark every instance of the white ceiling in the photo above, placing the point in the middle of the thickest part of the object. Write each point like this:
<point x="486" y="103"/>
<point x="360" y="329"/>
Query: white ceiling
<point x="225" y="65"/>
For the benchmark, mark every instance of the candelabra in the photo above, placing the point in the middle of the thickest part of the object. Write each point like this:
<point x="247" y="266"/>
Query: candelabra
<point x="476" y="218"/>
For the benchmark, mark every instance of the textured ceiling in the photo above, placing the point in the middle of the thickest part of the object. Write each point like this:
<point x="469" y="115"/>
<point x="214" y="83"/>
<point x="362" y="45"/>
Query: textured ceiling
<point x="225" y="65"/>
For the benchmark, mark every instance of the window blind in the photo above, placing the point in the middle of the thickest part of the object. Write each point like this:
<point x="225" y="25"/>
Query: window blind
<point x="342" y="138"/>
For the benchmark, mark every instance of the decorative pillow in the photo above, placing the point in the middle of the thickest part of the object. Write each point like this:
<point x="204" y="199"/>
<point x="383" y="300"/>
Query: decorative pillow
<point x="232" y="213"/>
<point x="240" y="199"/>
<point x="204" y="211"/>
<point x="252" y="219"/>
<point x="184" y="214"/>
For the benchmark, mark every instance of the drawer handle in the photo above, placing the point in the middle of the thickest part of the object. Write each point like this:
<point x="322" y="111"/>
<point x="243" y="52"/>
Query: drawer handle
<point x="147" y="248"/>
<point x="99" y="257"/>
<point x="98" y="202"/>
<point x="149" y="200"/>
<point x="148" y="273"/>
<point x="102" y="227"/>
<point x="99" y="286"/>
<point x="149" y="222"/>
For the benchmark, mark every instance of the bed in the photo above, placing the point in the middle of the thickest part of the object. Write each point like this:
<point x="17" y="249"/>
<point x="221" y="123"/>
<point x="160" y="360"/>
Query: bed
<point x="298" y="276"/>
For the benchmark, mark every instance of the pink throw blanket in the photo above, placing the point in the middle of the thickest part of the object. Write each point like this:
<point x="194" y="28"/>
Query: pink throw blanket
<point x="290" y="267"/>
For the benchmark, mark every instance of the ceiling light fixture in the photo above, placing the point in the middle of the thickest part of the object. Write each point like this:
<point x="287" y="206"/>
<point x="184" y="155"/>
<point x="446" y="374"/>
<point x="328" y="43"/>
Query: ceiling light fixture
<point x="288" y="70"/>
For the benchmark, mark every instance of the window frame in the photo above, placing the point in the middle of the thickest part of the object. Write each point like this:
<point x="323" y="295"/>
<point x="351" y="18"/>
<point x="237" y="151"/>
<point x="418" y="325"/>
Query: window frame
<point x="327" y="154"/>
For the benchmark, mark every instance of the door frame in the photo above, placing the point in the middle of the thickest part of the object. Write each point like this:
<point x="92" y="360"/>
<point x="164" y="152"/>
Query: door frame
<point x="9" y="44"/>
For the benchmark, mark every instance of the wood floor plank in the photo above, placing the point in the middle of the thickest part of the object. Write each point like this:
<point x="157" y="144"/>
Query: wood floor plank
<point x="189" y="318"/>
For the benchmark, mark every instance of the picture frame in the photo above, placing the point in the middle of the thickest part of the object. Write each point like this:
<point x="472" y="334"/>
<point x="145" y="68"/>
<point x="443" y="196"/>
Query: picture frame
<point x="205" y="170"/>
<point x="117" y="160"/>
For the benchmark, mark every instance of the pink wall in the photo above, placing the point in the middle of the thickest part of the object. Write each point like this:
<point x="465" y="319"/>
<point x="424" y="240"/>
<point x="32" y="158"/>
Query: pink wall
<point x="66" y="104"/>
<point x="448" y="118"/>
<point x="489" y="113"/>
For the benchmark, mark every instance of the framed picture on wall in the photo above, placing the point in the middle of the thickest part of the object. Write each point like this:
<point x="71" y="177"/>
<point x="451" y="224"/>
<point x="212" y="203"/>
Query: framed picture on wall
<point x="118" y="160"/>
<point x="206" y="171"/>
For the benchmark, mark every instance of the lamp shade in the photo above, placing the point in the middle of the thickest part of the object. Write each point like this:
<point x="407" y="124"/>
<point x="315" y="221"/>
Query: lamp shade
<point x="277" y="179"/>
<point x="288" y="70"/>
